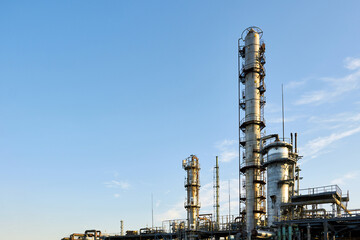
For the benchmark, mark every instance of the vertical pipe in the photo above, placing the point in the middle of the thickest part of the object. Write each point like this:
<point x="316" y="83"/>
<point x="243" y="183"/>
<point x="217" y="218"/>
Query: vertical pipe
<point x="326" y="233"/>
<point x="308" y="232"/>
<point x="298" y="181"/>
<point x="122" y="228"/>
<point x="284" y="232"/>
<point x="279" y="233"/>
<point x="292" y="143"/>
<point x="296" y="143"/>
<point x="290" y="232"/>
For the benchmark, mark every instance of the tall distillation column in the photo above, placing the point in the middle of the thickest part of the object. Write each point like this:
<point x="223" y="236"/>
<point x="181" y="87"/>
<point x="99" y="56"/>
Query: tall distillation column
<point x="192" y="185"/>
<point x="252" y="101"/>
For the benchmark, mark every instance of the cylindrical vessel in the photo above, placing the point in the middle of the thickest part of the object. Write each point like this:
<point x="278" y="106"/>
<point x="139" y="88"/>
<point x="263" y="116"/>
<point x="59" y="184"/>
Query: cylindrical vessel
<point x="253" y="130"/>
<point x="280" y="176"/>
<point x="252" y="43"/>
<point x="192" y="185"/>
<point x="252" y="75"/>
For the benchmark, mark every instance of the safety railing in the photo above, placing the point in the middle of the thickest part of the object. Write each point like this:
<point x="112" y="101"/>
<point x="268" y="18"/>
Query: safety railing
<point x="207" y="223"/>
<point x="191" y="181"/>
<point x="320" y="215"/>
<point x="256" y="162"/>
<point x="252" y="118"/>
<point x="271" y="140"/>
<point x="322" y="189"/>
<point x="191" y="161"/>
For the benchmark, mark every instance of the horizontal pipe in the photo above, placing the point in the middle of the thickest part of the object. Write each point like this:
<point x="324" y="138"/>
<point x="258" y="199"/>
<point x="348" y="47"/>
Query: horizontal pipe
<point x="316" y="210"/>
<point x="276" y="136"/>
<point x="262" y="234"/>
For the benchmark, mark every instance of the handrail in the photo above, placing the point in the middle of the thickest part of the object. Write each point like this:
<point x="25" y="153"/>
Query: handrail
<point x="253" y="118"/>
<point x="322" y="189"/>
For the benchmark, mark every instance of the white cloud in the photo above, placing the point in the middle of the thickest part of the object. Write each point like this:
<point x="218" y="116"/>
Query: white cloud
<point x="317" y="146"/>
<point x="116" y="195"/>
<point x="334" y="87"/>
<point x="295" y="84"/>
<point x="344" y="179"/>
<point x="225" y="143"/>
<point x="176" y="211"/>
<point x="228" y="150"/>
<point x="344" y="118"/>
<point x="352" y="63"/>
<point x="117" y="184"/>
<point x="316" y="97"/>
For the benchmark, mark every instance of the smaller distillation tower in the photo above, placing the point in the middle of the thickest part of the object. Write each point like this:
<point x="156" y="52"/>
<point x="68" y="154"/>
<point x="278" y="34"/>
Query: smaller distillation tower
<point x="192" y="185"/>
<point x="280" y="159"/>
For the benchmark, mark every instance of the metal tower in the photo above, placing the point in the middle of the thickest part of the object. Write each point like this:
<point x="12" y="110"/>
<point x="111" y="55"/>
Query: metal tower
<point x="280" y="160"/>
<point x="192" y="185"/>
<point x="252" y="101"/>
<point x="216" y="194"/>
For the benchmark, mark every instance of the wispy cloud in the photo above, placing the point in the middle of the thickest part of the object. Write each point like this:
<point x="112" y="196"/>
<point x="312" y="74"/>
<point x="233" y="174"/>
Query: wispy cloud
<point x="344" y="118"/>
<point x="345" y="178"/>
<point x="341" y="125"/>
<point x="176" y="211"/>
<point x="295" y="84"/>
<point x="117" y="184"/>
<point x="352" y="63"/>
<point x="334" y="87"/>
<point x="317" y="146"/>
<point x="228" y="150"/>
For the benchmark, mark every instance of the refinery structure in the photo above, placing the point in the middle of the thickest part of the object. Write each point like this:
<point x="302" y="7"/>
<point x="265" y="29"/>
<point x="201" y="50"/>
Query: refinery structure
<point x="272" y="203"/>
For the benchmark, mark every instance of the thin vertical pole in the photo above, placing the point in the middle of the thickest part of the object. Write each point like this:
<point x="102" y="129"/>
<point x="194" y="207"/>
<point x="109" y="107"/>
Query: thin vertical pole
<point x="229" y="210"/>
<point x="283" y="119"/>
<point x="152" y="211"/>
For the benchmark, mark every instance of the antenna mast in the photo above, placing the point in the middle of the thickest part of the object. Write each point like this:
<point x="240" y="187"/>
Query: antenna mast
<point x="283" y="119"/>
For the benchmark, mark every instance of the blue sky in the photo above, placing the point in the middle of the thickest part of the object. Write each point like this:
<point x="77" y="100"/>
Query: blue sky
<point x="101" y="100"/>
